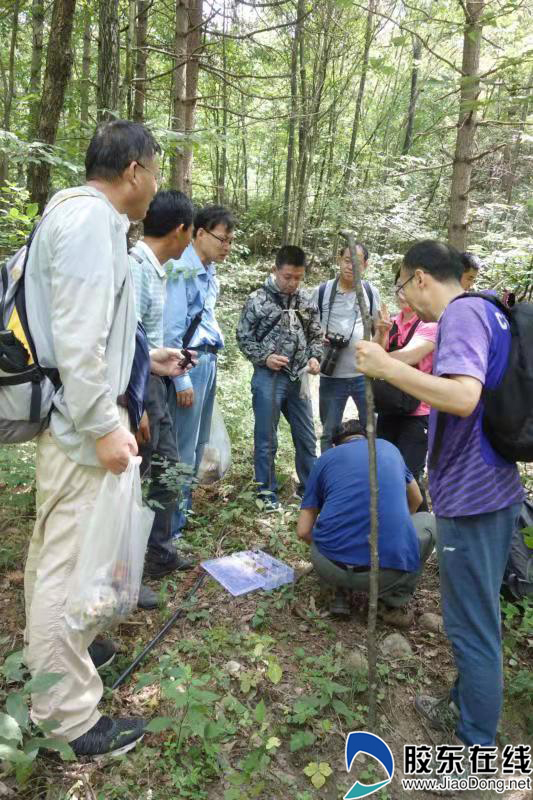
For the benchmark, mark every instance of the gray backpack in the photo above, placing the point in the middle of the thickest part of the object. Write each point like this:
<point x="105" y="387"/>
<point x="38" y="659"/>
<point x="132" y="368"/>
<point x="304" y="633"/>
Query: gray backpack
<point x="26" y="389"/>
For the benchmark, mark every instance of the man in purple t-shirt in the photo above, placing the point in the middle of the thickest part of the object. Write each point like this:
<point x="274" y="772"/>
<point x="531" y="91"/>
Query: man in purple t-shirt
<point x="476" y="494"/>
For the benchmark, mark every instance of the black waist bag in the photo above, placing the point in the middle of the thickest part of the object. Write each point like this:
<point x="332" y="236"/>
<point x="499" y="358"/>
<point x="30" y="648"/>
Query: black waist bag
<point x="389" y="399"/>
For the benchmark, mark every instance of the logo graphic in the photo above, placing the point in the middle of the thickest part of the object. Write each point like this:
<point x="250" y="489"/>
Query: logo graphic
<point x="371" y="745"/>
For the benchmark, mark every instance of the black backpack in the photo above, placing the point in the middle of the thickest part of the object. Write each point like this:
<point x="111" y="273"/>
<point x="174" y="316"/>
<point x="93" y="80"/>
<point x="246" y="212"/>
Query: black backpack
<point x="508" y="409"/>
<point x="518" y="576"/>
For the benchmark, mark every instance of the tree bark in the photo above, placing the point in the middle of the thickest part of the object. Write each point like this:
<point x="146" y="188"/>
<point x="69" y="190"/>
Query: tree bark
<point x="417" y="53"/>
<point x="107" y="94"/>
<point x="140" y="63"/>
<point x="37" y="17"/>
<point x="56" y="77"/>
<point x="9" y="89"/>
<point x="86" y="68"/>
<point x="178" y="91"/>
<point x="466" y="126"/>
<point x="194" y="46"/>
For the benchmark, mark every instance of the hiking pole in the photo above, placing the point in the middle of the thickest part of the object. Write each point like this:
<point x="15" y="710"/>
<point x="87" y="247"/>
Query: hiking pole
<point x="162" y="633"/>
<point x="373" y="483"/>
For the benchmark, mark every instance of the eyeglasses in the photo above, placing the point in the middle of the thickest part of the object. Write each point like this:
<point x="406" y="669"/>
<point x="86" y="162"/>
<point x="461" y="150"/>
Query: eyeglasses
<point x="221" y="239"/>
<point x="156" y="176"/>
<point x="399" y="289"/>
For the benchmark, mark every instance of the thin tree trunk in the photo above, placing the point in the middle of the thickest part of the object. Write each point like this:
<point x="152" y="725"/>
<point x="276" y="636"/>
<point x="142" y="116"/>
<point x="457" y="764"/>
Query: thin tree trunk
<point x="140" y="63"/>
<point x="373" y="483"/>
<point x="467" y="124"/>
<point x="194" y="45"/>
<point x="359" y="100"/>
<point x="10" y="89"/>
<point x="178" y="91"/>
<point x="86" y="68"/>
<point x="244" y="163"/>
<point x="107" y="95"/>
<point x="37" y="18"/>
<point x="291" y="137"/>
<point x="303" y="126"/>
<point x="417" y="53"/>
<point x="127" y="86"/>
<point x="224" y="147"/>
<point x="56" y="77"/>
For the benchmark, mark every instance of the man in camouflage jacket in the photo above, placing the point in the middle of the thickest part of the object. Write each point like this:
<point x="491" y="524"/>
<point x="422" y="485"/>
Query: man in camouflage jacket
<point x="279" y="332"/>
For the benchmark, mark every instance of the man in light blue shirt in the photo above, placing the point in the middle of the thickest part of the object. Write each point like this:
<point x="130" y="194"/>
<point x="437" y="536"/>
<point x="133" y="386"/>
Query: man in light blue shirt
<point x="167" y="232"/>
<point x="189" y="321"/>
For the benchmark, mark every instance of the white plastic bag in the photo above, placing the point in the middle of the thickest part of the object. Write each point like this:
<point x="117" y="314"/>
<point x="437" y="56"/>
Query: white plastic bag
<point x="216" y="459"/>
<point x="104" y="586"/>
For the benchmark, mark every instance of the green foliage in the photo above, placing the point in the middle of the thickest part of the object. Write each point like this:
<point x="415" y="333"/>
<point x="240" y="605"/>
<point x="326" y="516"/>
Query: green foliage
<point x="20" y="739"/>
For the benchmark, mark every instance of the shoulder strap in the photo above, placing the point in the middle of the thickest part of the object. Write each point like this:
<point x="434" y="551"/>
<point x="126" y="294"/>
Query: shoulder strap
<point x="136" y="256"/>
<point x="490" y="298"/>
<point x="411" y="333"/>
<point x="370" y="295"/>
<point x="321" y="292"/>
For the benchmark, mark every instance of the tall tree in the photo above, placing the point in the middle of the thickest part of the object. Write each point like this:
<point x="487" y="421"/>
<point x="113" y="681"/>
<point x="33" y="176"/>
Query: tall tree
<point x="107" y="93"/>
<point x="86" y="67"/>
<point x="9" y="86"/>
<point x="467" y="124"/>
<point x="360" y="95"/>
<point x="413" y="95"/>
<point x="178" y="91"/>
<point x="37" y="22"/>
<point x="292" y="130"/>
<point x="56" y="76"/>
<point x="194" y="45"/>
<point x="141" y="37"/>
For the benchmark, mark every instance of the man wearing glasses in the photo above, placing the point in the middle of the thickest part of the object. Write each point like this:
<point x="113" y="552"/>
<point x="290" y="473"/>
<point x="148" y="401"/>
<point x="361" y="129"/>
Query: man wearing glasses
<point x="476" y="494"/>
<point x="190" y="321"/>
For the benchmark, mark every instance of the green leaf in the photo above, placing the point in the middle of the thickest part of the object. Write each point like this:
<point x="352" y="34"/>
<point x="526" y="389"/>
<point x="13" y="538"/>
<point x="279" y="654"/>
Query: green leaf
<point x="17" y="708"/>
<point x="311" y="768"/>
<point x="318" y="780"/>
<point x="300" y="740"/>
<point x="325" y="769"/>
<point x="274" y="672"/>
<point x="272" y="742"/>
<point x="159" y="724"/>
<point x="42" y="683"/>
<point x="260" y="711"/>
<point x="12" y="667"/>
<point x="9" y="753"/>
<point x="9" y="728"/>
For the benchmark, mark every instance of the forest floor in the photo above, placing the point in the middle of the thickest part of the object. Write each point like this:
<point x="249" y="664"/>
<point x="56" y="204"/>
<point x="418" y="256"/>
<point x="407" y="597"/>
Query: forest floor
<point x="250" y="693"/>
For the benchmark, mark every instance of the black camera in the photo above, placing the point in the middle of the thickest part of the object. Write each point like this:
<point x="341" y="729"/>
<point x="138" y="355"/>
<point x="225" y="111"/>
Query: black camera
<point x="337" y="342"/>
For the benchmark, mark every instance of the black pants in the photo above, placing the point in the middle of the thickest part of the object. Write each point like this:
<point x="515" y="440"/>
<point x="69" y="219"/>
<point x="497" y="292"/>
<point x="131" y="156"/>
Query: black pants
<point x="410" y="435"/>
<point x="157" y="456"/>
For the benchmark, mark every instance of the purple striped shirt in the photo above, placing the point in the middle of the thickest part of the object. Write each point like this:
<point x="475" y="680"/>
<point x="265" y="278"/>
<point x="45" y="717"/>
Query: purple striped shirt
<point x="470" y="477"/>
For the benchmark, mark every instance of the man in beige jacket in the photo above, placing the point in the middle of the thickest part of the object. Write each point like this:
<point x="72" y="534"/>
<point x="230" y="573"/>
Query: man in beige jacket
<point x="81" y="311"/>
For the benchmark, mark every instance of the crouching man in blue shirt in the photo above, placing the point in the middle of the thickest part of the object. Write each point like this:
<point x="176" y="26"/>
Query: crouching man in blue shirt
<point x="335" y="520"/>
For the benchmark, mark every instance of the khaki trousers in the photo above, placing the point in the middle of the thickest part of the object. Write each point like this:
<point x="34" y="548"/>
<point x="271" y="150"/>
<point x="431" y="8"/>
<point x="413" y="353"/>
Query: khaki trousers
<point x="66" y="492"/>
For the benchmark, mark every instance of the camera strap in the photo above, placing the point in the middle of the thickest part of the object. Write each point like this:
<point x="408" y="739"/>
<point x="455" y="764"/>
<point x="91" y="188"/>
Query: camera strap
<point x="332" y="296"/>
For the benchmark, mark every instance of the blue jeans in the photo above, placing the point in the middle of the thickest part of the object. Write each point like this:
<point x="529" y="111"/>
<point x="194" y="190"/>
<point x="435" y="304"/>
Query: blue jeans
<point x="473" y="553"/>
<point x="334" y="394"/>
<point x="272" y="393"/>
<point x="192" y="426"/>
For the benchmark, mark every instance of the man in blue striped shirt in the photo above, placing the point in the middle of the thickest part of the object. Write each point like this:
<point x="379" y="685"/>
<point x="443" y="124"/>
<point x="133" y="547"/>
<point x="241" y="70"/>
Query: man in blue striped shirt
<point x="167" y="232"/>
<point x="189" y="320"/>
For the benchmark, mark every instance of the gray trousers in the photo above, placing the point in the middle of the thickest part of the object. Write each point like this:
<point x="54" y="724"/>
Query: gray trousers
<point x="395" y="586"/>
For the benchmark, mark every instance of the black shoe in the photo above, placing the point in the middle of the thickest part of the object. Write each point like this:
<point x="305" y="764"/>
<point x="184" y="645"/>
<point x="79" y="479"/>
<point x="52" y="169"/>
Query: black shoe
<point x="114" y="736"/>
<point x="340" y="605"/>
<point x="147" y="599"/>
<point x="154" y="569"/>
<point x="102" y="652"/>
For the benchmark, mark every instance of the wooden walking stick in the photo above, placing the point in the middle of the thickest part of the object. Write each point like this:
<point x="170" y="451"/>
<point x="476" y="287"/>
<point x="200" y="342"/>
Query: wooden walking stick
<point x="373" y="482"/>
